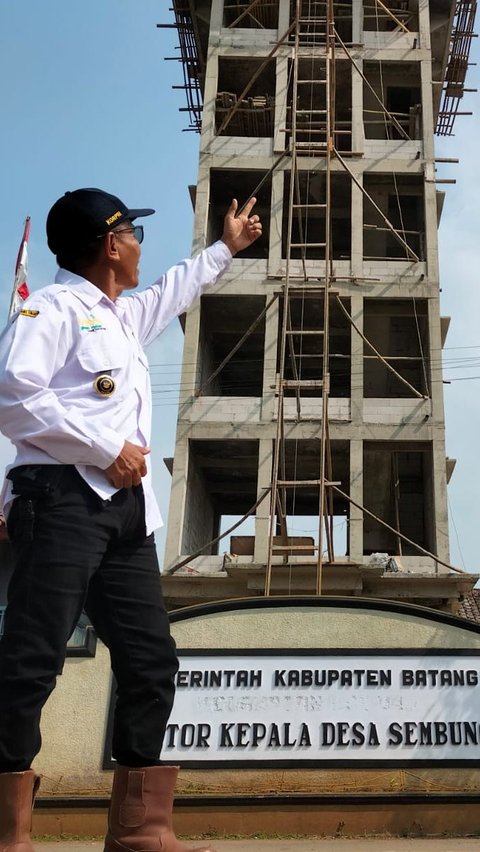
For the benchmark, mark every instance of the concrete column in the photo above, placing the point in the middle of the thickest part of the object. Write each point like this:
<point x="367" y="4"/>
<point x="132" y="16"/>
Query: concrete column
<point x="435" y="344"/>
<point x="424" y="24"/>
<point x="191" y="368"/>
<point x="200" y="226"/>
<point x="357" y="230"/>
<point x="357" y="344"/>
<point x="276" y="216"/>
<point x="428" y="124"/>
<point x="209" y="99"/>
<point x="357" y="21"/>
<point x="200" y="518"/>
<point x="281" y="91"/>
<point x="358" y="133"/>
<point x="356" y="493"/>
<point x="430" y="187"/>
<point x="270" y="361"/>
<point x="176" y="510"/>
<point x="439" y="474"/>
<point x="262" y="520"/>
<point x="283" y="16"/>
<point x="439" y="508"/>
<point x="431" y="234"/>
<point x="216" y="17"/>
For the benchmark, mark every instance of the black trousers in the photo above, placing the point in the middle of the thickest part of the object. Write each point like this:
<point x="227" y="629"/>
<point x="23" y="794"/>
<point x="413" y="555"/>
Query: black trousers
<point x="75" y="552"/>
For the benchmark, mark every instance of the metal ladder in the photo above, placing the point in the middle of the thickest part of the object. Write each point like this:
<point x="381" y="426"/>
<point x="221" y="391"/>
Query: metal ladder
<point x="314" y="40"/>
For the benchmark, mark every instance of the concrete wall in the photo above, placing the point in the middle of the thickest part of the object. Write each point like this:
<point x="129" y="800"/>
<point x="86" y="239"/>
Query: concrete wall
<point x="199" y="511"/>
<point x="74" y="719"/>
<point x="73" y="729"/>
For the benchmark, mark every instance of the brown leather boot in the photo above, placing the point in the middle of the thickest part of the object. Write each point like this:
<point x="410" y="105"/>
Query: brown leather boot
<point x="140" y="816"/>
<point x="17" y="794"/>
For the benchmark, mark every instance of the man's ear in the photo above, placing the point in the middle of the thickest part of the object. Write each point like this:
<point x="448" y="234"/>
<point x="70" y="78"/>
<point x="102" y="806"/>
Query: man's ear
<point x="111" y="246"/>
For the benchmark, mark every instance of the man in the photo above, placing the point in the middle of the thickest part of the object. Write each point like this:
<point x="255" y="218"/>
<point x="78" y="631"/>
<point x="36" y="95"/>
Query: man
<point x="75" y="400"/>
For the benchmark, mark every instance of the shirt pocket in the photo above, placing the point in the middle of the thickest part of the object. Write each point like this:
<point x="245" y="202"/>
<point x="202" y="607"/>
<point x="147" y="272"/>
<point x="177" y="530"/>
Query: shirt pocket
<point x="100" y="354"/>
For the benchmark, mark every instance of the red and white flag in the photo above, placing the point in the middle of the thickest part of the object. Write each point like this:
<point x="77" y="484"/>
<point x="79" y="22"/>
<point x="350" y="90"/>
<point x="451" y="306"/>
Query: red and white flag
<point x="20" y="287"/>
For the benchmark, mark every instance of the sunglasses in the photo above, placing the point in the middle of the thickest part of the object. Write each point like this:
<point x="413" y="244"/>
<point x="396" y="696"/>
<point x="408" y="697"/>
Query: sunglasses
<point x="136" y="230"/>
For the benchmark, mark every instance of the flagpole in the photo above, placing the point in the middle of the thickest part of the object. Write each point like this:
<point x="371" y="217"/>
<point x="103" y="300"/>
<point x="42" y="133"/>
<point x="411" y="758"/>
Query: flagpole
<point x="20" y="257"/>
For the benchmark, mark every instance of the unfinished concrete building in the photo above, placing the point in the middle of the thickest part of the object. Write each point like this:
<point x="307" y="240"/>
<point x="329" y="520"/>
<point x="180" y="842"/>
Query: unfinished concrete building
<point x="311" y="391"/>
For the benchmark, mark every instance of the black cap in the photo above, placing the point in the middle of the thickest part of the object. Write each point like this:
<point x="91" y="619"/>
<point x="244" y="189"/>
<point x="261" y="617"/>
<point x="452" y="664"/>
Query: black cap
<point x="78" y="217"/>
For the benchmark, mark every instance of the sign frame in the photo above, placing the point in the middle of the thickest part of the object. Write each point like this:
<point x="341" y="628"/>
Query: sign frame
<point x="325" y="653"/>
<point x="306" y="763"/>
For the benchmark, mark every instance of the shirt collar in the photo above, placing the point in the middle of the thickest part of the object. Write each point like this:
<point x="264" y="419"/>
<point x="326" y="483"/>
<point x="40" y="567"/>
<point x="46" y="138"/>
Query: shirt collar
<point x="88" y="293"/>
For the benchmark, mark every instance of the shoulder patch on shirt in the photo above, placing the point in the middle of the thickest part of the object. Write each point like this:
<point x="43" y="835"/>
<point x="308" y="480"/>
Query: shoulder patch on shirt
<point x="29" y="313"/>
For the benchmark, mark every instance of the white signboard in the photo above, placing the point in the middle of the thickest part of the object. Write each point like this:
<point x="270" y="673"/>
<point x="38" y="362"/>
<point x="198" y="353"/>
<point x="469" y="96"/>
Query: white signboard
<point x="317" y="707"/>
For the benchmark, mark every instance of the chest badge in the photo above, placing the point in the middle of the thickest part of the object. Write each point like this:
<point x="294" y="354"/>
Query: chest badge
<point x="91" y="324"/>
<point x="104" y="385"/>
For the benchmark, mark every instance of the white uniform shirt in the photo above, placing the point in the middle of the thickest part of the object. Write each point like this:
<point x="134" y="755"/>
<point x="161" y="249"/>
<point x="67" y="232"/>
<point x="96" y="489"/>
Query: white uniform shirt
<point x="67" y="335"/>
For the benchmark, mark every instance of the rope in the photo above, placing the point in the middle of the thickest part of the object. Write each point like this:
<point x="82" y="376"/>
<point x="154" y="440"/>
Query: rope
<point x="237" y="346"/>
<point x="236" y="106"/>
<point x="377" y="353"/>
<point x="420" y="346"/>
<point x="199" y="552"/>
<point x="398" y="533"/>
<point x="369" y="85"/>
<point x="400" y="212"/>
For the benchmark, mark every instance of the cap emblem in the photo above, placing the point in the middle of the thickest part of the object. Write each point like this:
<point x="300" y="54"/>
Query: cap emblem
<point x="113" y="218"/>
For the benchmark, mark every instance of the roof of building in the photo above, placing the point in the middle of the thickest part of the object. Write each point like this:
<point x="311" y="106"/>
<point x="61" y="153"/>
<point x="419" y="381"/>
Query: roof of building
<point x="470" y="606"/>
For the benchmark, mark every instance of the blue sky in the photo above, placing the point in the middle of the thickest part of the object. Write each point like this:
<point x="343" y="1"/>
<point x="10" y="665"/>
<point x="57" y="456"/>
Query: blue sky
<point x="86" y="100"/>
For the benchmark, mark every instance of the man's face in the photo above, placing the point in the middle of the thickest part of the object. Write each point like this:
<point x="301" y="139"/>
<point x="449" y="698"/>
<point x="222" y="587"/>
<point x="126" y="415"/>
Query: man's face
<point x="129" y="250"/>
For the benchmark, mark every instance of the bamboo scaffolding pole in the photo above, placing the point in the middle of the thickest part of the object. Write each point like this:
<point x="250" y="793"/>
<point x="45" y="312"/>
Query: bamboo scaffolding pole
<point x="379" y="211"/>
<point x="393" y="17"/>
<point x="246" y="12"/>
<point x="263" y="180"/>
<point x="398" y="533"/>
<point x="234" y="526"/>
<point x="293" y="357"/>
<point x="237" y="346"/>
<point x="377" y="353"/>
<point x="254" y="77"/>
<point x="369" y="85"/>
<point x="329" y="508"/>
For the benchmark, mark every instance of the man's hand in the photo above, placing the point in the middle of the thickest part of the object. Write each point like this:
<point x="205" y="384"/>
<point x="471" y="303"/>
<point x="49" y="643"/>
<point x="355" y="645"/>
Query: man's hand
<point x="241" y="231"/>
<point x="129" y="467"/>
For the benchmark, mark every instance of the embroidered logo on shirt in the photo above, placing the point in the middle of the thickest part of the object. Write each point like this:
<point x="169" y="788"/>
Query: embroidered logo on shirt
<point x="29" y="313"/>
<point x="91" y="324"/>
